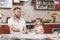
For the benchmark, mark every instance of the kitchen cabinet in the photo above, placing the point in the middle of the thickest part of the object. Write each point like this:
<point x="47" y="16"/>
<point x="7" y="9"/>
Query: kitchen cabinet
<point x="4" y="29"/>
<point x="48" y="28"/>
<point x="57" y="5"/>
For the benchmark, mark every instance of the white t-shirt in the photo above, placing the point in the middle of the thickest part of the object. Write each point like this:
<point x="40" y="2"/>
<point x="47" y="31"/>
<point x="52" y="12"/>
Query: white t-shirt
<point x="17" y="25"/>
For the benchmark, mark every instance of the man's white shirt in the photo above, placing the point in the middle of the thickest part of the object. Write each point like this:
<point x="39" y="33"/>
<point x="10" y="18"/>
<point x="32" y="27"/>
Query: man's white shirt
<point x="18" y="25"/>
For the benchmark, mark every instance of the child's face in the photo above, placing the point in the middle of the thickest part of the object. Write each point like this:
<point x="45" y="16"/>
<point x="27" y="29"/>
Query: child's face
<point x="37" y="22"/>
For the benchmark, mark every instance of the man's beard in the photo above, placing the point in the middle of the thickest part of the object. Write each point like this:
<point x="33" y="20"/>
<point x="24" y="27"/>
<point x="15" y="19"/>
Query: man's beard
<point x="18" y="17"/>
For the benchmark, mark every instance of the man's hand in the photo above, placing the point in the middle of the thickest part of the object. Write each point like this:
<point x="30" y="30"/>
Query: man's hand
<point x="16" y="30"/>
<point x="25" y="30"/>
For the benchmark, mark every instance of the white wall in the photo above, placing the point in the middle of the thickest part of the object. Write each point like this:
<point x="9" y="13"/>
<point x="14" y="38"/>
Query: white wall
<point x="29" y="13"/>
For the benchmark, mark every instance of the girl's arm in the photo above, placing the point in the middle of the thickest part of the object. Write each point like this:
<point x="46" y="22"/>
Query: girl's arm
<point x="42" y="30"/>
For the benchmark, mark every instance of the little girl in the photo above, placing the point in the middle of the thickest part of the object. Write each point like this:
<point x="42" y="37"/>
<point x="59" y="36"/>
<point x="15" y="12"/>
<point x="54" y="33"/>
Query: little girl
<point x="38" y="28"/>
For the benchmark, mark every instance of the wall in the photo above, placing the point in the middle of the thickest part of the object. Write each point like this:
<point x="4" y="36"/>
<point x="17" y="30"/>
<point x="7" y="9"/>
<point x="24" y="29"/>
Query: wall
<point x="29" y="13"/>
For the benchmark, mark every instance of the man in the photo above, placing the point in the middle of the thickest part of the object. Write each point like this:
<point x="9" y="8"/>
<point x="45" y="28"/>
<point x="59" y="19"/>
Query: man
<point x="17" y="23"/>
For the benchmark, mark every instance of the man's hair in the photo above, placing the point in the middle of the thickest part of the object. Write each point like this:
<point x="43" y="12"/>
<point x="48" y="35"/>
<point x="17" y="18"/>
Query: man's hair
<point x="16" y="8"/>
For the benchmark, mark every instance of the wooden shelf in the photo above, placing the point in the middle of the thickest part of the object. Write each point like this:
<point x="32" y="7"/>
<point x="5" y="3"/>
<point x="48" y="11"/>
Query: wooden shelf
<point x="45" y="4"/>
<point x="48" y="5"/>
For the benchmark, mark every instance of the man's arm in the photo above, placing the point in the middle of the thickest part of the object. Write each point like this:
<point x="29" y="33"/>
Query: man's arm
<point x="14" y="29"/>
<point x="25" y="29"/>
<point x="11" y="26"/>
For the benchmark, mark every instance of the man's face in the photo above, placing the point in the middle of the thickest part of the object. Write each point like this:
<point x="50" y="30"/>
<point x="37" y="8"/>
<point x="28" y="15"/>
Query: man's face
<point x="17" y="13"/>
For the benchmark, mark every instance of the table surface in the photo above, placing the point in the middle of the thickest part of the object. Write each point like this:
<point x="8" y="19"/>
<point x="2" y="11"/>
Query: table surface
<point x="28" y="36"/>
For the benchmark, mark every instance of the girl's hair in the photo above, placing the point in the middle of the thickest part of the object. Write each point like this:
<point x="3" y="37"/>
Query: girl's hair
<point x="40" y="20"/>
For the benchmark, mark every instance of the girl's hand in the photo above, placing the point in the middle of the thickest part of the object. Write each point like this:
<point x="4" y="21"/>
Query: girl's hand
<point x="32" y="30"/>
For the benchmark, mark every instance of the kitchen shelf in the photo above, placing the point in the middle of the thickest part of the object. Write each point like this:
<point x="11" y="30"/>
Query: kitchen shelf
<point x="45" y="4"/>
